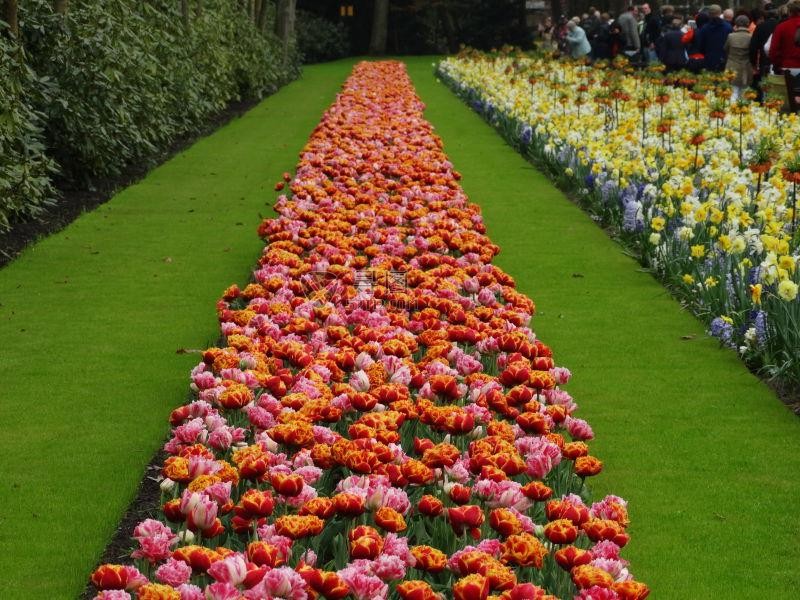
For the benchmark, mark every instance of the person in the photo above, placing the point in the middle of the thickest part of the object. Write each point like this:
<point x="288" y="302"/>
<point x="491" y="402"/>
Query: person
<point x="737" y="49"/>
<point x="629" y="29"/>
<point x="600" y="38"/>
<point x="616" y="42"/>
<point x="650" y="32"/>
<point x="784" y="49"/>
<point x="711" y="39"/>
<point x="546" y="32"/>
<point x="727" y="16"/>
<point x="758" y="57"/>
<point x="690" y="40"/>
<point x="576" y="40"/>
<point x="670" y="48"/>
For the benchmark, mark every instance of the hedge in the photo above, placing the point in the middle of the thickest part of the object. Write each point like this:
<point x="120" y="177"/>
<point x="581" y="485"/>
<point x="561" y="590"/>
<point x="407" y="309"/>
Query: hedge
<point x="116" y="81"/>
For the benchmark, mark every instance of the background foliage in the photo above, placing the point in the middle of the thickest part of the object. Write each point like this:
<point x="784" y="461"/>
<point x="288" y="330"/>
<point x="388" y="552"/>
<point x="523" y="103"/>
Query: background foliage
<point x="116" y="81"/>
<point x="320" y="39"/>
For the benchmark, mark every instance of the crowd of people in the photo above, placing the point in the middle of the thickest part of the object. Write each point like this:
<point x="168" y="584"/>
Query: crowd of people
<point x="752" y="43"/>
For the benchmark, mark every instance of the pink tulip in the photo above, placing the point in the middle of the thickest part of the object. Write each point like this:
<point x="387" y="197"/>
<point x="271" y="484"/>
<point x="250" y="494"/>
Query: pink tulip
<point x="174" y="572"/>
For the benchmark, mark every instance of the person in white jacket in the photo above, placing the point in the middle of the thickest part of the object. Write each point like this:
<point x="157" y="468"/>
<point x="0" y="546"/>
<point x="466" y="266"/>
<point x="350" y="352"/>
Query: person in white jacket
<point x="577" y="41"/>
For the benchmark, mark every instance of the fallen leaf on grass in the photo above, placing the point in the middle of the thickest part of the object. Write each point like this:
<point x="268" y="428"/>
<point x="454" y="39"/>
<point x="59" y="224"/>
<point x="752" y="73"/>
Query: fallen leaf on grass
<point x="691" y="336"/>
<point x="188" y="351"/>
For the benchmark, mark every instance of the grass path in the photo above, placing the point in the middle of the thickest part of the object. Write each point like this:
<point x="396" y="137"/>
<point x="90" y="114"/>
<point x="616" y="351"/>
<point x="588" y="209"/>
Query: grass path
<point x="704" y="452"/>
<point x="90" y="320"/>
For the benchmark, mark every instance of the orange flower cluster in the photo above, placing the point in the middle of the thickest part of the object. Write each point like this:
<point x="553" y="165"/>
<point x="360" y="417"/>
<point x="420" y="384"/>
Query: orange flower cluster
<point x="380" y="421"/>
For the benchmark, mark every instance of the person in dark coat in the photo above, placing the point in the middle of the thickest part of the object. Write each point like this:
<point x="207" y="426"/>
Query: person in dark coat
<point x="759" y="58"/>
<point x="670" y="48"/>
<point x="711" y="39"/>
<point x="690" y="41"/>
<point x="601" y="38"/>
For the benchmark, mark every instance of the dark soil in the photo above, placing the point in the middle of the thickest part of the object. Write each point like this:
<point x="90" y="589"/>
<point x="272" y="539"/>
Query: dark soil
<point x="144" y="506"/>
<point x="73" y="201"/>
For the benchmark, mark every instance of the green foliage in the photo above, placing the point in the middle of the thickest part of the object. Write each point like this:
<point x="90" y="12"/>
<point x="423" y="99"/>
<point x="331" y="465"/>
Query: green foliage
<point x="319" y="39"/>
<point x="130" y="79"/>
<point x="25" y="169"/>
<point x="116" y="81"/>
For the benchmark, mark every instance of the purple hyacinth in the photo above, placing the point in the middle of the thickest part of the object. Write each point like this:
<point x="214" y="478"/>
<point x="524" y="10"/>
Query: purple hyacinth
<point x="722" y="330"/>
<point x="527" y="135"/>
<point x="760" y="324"/>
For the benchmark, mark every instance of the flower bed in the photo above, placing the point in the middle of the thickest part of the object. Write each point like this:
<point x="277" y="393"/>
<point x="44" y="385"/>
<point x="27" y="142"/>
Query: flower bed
<point x="380" y="422"/>
<point x="701" y="189"/>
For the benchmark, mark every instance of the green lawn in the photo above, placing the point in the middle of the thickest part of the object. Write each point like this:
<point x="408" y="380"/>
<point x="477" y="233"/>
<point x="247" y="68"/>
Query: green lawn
<point x="90" y="320"/>
<point x="705" y="453"/>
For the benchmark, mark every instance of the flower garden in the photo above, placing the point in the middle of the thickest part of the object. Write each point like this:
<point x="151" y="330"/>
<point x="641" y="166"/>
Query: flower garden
<point x="380" y="420"/>
<point x="374" y="409"/>
<point x="701" y="189"/>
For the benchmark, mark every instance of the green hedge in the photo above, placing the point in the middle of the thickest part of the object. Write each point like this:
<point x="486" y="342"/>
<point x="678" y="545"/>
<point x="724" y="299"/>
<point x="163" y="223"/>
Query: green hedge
<point x="25" y="169"/>
<point x="116" y="81"/>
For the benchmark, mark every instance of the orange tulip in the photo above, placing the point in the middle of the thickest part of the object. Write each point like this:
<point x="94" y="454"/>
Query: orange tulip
<point x="299" y="526"/>
<point x="349" y="505"/>
<point x="416" y="590"/>
<point x="430" y="506"/>
<point x="157" y="591"/>
<point x="631" y="590"/>
<point x="263" y="553"/>
<point x="471" y="587"/>
<point x="524" y="550"/>
<point x="288" y="484"/>
<point x="328" y="584"/>
<point x="255" y="503"/>
<point x="586" y="576"/>
<point x="572" y="556"/>
<point x="504" y="522"/>
<point x="561" y="531"/>
<point x="429" y="559"/>
<point x="464" y="517"/>
<point x="587" y="466"/>
<point x="606" y="529"/>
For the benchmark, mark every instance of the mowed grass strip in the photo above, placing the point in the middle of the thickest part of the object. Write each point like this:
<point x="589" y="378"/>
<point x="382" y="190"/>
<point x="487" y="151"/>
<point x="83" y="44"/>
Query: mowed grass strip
<point x="90" y="321"/>
<point x="704" y="452"/>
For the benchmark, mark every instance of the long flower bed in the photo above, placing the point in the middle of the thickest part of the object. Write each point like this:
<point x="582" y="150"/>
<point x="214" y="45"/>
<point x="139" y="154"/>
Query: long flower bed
<point x="380" y="421"/>
<point x="702" y="189"/>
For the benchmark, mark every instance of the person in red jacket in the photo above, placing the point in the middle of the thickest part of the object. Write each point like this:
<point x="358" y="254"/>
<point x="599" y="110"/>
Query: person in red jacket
<point x="784" y="50"/>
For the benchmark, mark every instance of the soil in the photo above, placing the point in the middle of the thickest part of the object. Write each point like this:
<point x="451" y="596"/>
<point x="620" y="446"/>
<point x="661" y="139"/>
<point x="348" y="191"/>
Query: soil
<point x="74" y="201"/>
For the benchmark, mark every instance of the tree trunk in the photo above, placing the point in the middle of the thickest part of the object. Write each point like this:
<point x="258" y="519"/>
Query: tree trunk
<point x="380" y="27"/>
<point x="61" y="6"/>
<point x="198" y="9"/>
<point x="449" y="25"/>
<point x="10" y="17"/>
<point x="284" y="22"/>
<point x="262" y="16"/>
<point x="185" y="15"/>
<point x="284" y="25"/>
<point x="257" y="11"/>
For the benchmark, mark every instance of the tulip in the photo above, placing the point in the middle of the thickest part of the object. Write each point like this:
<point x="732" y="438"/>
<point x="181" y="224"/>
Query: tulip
<point x="471" y="587"/>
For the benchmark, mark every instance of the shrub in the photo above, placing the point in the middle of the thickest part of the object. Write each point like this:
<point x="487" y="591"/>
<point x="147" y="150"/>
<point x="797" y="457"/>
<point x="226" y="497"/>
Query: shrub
<point x="319" y="39"/>
<point x="25" y="169"/>
<point x="130" y="79"/>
